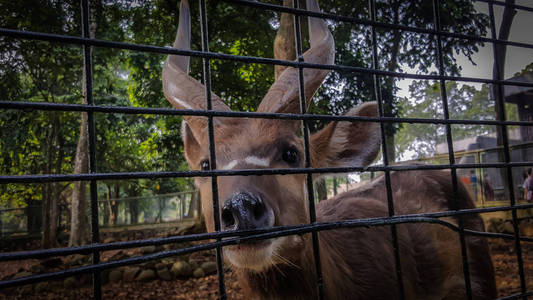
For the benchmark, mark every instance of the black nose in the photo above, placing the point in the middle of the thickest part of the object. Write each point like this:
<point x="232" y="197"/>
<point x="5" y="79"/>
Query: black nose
<point x="244" y="211"/>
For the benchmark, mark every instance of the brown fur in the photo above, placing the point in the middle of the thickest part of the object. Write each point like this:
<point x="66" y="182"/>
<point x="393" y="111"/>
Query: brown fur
<point x="358" y="262"/>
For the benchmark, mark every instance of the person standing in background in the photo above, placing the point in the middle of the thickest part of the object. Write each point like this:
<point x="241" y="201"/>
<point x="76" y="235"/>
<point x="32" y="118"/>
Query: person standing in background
<point x="528" y="186"/>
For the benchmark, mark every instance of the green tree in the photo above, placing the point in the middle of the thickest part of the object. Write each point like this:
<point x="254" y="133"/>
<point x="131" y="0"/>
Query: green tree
<point x="464" y="103"/>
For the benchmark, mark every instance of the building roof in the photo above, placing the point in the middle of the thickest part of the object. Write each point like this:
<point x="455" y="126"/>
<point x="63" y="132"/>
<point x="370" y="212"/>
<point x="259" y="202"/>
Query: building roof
<point x="514" y="94"/>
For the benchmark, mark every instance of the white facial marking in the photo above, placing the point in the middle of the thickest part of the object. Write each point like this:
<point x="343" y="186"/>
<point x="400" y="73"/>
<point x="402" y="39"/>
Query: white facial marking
<point x="231" y="165"/>
<point x="254" y="160"/>
<point x="250" y="160"/>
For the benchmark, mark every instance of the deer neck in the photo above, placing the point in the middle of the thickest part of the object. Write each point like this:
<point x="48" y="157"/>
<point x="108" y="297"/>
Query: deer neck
<point x="296" y="280"/>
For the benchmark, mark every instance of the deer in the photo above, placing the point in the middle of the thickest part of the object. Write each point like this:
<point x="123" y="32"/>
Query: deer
<point x="356" y="263"/>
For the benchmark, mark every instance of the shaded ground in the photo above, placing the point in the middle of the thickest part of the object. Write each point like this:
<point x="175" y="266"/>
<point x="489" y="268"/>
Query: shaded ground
<point x="503" y="254"/>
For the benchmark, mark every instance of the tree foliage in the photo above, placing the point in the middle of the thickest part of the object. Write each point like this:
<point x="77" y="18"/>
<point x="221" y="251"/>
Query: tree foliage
<point x="40" y="142"/>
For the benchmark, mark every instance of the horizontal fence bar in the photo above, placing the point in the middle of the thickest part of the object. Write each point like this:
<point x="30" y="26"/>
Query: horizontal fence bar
<point x="516" y="6"/>
<point x="302" y="229"/>
<point x="38" y="254"/>
<point x="367" y="22"/>
<point x="517" y="296"/>
<point x="47" y="106"/>
<point x="244" y="172"/>
<point x="239" y="58"/>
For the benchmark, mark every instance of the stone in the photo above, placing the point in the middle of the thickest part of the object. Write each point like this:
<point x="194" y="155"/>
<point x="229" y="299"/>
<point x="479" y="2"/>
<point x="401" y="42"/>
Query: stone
<point x="160" y="265"/>
<point x="70" y="282"/>
<point x="41" y="287"/>
<point x="527" y="230"/>
<point x="148" y="249"/>
<point x="86" y="279"/>
<point x="130" y="273"/>
<point x="164" y="274"/>
<point x="507" y="227"/>
<point x="119" y="255"/>
<point x="109" y="240"/>
<point x="198" y="273"/>
<point x="115" y="275"/>
<point x="78" y="259"/>
<point x="181" y="269"/>
<point x="148" y="265"/>
<point x="22" y="274"/>
<point x="146" y="275"/>
<point x="51" y="262"/>
<point x="195" y="263"/>
<point x="27" y="289"/>
<point x="209" y="267"/>
<point x="36" y="269"/>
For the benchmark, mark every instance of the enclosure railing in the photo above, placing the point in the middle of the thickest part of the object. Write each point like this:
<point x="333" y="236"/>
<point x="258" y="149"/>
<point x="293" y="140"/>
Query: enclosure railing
<point x="224" y="238"/>
<point x="154" y="209"/>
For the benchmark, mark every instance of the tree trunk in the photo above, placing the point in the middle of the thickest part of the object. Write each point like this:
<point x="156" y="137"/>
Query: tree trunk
<point x="134" y="211"/>
<point x="51" y="191"/>
<point x="498" y="74"/>
<point x="79" y="223"/>
<point x="321" y="189"/>
<point x="388" y="88"/>
<point x="284" y="43"/>
<point x="79" y="234"/>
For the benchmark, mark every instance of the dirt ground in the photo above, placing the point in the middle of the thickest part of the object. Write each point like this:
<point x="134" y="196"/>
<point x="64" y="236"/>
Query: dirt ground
<point x="503" y="255"/>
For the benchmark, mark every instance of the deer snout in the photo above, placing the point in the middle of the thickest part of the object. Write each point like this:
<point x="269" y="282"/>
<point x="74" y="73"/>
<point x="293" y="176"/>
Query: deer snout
<point x="245" y="211"/>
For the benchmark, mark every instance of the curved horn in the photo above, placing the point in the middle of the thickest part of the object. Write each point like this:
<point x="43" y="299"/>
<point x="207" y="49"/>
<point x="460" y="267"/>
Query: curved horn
<point x="181" y="90"/>
<point x="283" y="95"/>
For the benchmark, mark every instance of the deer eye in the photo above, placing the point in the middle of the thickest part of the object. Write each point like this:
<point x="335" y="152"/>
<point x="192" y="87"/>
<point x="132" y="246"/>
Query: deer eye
<point x="205" y="165"/>
<point x="291" y="155"/>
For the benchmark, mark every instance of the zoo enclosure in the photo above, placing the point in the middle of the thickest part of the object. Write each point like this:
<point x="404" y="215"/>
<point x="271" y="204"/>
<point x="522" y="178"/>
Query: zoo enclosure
<point x="155" y="209"/>
<point x="235" y="237"/>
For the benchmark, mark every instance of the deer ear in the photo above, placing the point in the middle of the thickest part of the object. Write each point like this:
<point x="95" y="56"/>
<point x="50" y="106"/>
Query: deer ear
<point x="347" y="144"/>
<point x="191" y="145"/>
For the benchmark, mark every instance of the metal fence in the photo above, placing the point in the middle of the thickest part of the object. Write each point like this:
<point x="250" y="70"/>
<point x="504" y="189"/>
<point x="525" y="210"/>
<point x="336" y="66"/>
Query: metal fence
<point x="126" y="211"/>
<point x="231" y="238"/>
<point x="487" y="184"/>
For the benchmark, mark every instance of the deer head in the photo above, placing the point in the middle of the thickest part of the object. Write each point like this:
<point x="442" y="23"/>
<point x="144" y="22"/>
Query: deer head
<point x="249" y="202"/>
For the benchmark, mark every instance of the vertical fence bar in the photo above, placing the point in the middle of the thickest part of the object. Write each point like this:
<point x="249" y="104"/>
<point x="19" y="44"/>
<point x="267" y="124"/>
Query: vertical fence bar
<point x="309" y="176"/>
<point x="499" y="98"/>
<point x="212" y="152"/>
<point x="454" y="205"/>
<point x="95" y="234"/>
<point x="390" y="200"/>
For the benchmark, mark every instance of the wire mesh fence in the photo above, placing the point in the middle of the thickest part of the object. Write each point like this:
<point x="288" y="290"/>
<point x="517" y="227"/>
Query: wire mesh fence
<point x="225" y="238"/>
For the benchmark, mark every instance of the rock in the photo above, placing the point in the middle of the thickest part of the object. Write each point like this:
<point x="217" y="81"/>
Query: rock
<point x="164" y="274"/>
<point x="52" y="262"/>
<point x="22" y="274"/>
<point x="195" y="263"/>
<point x="148" y="265"/>
<point x="160" y="265"/>
<point x="78" y="259"/>
<point x="209" y="267"/>
<point x="115" y="275"/>
<point x="27" y="289"/>
<point x="86" y="279"/>
<point x="507" y="227"/>
<point x="130" y="273"/>
<point x="181" y="269"/>
<point x="148" y="249"/>
<point x="527" y="230"/>
<point x="146" y="275"/>
<point x="41" y="287"/>
<point x="118" y="256"/>
<point x="198" y="273"/>
<point x="69" y="282"/>
<point x="109" y="240"/>
<point x="36" y="269"/>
